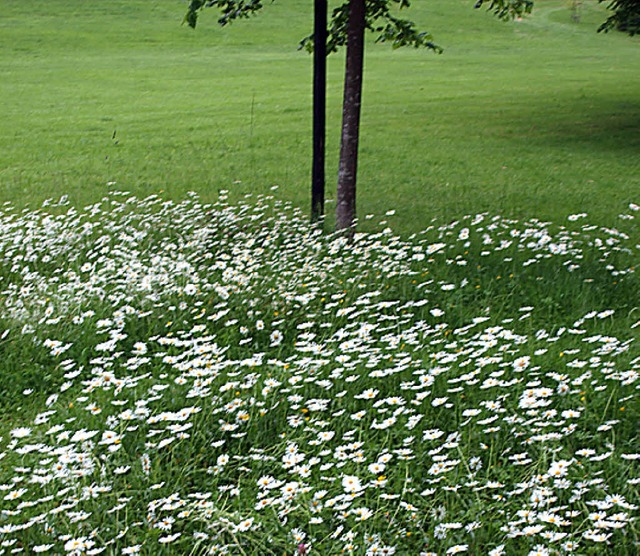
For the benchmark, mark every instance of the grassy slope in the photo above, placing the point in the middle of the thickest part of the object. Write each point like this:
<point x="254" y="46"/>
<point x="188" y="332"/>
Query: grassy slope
<point x="534" y="118"/>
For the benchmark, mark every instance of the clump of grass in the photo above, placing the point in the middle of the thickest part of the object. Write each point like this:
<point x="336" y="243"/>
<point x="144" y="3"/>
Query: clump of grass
<point x="227" y="380"/>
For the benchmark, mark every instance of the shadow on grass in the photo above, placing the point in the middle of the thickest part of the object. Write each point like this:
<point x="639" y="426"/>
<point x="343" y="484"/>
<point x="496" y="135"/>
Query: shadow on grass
<point x="586" y="124"/>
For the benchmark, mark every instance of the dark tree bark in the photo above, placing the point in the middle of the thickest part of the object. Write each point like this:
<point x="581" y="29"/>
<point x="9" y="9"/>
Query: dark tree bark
<point x="319" y="108"/>
<point x="346" y="197"/>
<point x="347" y="26"/>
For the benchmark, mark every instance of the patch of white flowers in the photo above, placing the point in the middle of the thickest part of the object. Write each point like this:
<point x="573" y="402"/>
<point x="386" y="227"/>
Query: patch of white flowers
<point x="234" y="382"/>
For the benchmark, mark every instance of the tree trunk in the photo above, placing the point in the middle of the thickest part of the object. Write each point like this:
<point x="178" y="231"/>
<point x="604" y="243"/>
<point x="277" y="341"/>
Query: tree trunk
<point x="346" y="202"/>
<point x="319" y="108"/>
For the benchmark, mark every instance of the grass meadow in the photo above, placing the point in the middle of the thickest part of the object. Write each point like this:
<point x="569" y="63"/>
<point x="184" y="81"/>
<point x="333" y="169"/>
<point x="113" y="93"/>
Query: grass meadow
<point x="535" y="118"/>
<point x="188" y="368"/>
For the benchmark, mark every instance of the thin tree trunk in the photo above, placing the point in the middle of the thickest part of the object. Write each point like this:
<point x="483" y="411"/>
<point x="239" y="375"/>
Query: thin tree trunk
<point x="319" y="108"/>
<point x="346" y="202"/>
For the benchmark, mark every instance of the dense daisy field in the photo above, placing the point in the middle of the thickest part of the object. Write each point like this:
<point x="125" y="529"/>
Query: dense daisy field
<point x="224" y="379"/>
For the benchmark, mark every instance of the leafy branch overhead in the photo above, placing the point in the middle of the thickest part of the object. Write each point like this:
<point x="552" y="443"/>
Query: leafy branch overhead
<point x="379" y="19"/>
<point x="507" y="9"/>
<point x="401" y="32"/>
<point x="229" y="9"/>
<point x="625" y="18"/>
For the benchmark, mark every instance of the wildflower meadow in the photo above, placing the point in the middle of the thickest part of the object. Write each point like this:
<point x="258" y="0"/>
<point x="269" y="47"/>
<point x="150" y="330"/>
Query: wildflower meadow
<point x="189" y="378"/>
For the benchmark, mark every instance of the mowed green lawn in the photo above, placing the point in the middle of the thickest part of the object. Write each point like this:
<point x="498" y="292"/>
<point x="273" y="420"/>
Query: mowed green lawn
<point x="538" y="117"/>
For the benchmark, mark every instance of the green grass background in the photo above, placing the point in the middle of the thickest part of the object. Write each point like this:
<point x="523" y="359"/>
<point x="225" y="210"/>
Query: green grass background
<point x="538" y="117"/>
